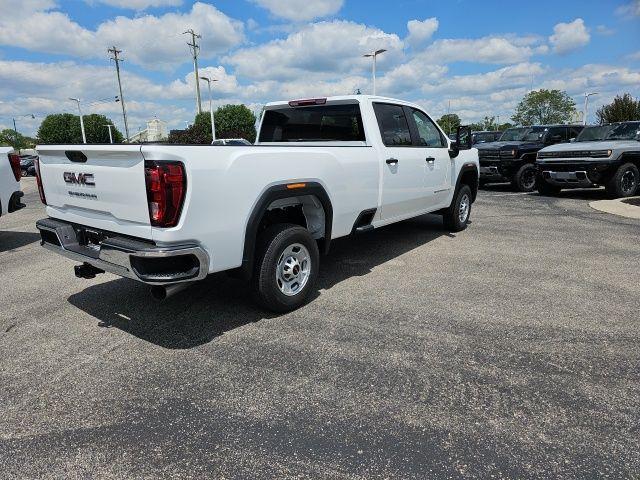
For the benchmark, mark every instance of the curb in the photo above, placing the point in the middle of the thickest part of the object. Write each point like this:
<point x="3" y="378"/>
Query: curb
<point x="618" y="207"/>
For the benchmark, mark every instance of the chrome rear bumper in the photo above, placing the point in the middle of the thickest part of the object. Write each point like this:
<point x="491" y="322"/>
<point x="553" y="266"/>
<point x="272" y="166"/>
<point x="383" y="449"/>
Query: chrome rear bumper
<point x="128" y="257"/>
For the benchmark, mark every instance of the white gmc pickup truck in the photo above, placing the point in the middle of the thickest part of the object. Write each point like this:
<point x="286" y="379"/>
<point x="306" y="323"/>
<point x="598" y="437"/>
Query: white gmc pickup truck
<point x="10" y="174"/>
<point x="322" y="168"/>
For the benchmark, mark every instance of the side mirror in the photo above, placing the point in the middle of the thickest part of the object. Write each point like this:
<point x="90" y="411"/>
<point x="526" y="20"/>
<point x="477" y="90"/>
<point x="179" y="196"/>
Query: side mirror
<point x="462" y="142"/>
<point x="571" y="140"/>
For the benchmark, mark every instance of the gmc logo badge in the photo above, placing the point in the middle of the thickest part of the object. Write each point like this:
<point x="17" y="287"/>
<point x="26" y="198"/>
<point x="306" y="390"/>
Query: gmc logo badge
<point x="79" y="178"/>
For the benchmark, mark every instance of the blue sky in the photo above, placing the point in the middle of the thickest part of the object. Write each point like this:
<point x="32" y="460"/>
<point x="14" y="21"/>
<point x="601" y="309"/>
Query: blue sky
<point x="479" y="57"/>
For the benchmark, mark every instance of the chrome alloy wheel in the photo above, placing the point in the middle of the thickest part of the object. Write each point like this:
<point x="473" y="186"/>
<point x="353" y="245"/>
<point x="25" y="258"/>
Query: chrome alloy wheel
<point x="293" y="269"/>
<point x="463" y="209"/>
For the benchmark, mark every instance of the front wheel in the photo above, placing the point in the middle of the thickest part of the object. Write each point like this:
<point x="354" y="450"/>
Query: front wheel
<point x="286" y="267"/>
<point x="524" y="179"/>
<point x="457" y="215"/>
<point x="624" y="182"/>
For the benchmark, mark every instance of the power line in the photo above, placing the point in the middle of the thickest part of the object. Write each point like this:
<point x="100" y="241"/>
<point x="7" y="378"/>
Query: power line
<point x="195" y="49"/>
<point x="115" y="52"/>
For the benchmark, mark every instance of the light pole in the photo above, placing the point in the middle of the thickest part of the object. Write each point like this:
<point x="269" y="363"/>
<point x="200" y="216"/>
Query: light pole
<point x="213" y="125"/>
<point x="110" y="136"/>
<point x="586" y="106"/>
<point x="374" y="55"/>
<point x="84" y="137"/>
<point x="15" y="130"/>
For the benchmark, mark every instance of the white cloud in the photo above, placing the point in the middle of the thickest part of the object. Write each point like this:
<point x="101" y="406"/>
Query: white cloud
<point x="420" y="31"/>
<point x="140" y="4"/>
<point x="569" y="36"/>
<point x="326" y="49"/>
<point x="499" y="50"/>
<point x="301" y="10"/>
<point x="155" y="42"/>
<point x="632" y="8"/>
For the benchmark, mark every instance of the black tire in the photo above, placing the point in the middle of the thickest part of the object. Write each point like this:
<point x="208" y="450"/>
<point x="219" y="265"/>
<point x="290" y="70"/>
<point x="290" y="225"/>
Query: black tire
<point x="546" y="189"/>
<point x="623" y="183"/>
<point x="453" y="219"/>
<point x="271" y="247"/>
<point x="524" y="180"/>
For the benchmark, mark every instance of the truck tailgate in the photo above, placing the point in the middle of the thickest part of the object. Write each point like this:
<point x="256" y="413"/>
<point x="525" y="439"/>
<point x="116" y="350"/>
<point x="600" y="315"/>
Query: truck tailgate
<point x="101" y="186"/>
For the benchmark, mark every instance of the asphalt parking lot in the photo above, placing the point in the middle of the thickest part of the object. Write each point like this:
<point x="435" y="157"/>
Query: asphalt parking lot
<point x="510" y="350"/>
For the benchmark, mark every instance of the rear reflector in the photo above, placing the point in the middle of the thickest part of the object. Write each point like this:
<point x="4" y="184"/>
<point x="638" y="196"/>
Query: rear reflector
<point x="293" y="186"/>
<point x="43" y="199"/>
<point x="14" y="160"/>
<point x="308" y="101"/>
<point x="166" y="187"/>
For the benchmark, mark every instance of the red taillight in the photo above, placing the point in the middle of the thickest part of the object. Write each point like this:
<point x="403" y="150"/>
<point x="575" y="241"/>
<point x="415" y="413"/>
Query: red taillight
<point x="307" y="102"/>
<point x="43" y="199"/>
<point x="166" y="187"/>
<point x="14" y="160"/>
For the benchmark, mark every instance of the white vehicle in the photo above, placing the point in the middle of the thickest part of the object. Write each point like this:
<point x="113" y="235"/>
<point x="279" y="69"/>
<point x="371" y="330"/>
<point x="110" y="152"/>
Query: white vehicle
<point x="10" y="174"/>
<point x="168" y="215"/>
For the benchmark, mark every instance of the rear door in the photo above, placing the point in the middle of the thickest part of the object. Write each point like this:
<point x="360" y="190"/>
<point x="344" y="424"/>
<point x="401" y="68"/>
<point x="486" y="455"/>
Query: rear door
<point x="403" y="168"/>
<point x="97" y="185"/>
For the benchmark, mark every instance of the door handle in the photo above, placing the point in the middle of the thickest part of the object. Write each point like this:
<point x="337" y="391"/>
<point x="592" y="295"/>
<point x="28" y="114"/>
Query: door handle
<point x="430" y="160"/>
<point x="392" y="161"/>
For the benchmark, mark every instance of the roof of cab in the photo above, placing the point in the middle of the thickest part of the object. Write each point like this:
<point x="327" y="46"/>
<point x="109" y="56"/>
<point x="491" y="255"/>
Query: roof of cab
<point x="342" y="98"/>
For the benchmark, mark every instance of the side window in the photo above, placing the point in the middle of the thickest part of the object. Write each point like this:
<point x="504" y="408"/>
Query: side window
<point x="428" y="133"/>
<point x="557" y="135"/>
<point x="393" y="125"/>
<point x="574" y="132"/>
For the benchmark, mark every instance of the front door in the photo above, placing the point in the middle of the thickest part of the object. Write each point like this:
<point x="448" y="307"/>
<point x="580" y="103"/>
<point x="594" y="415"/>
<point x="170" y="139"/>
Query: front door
<point x="403" y="167"/>
<point x="434" y="151"/>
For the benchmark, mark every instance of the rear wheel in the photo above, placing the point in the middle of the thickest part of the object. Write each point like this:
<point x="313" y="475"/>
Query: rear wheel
<point x="524" y="179"/>
<point x="624" y="182"/>
<point x="457" y="215"/>
<point x="286" y="267"/>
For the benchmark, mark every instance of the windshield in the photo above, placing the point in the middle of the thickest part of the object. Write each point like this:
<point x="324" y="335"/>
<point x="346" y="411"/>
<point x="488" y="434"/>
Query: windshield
<point x="594" y="134"/>
<point x="624" y="131"/>
<point x="526" y="134"/>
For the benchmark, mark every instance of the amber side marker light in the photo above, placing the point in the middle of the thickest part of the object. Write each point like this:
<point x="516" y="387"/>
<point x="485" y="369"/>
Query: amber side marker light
<point x="293" y="186"/>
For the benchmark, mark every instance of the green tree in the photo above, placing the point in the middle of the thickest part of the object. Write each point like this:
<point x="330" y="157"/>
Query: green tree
<point x="449" y="122"/>
<point x="623" y="109"/>
<point x="232" y="121"/>
<point x="65" y="128"/>
<point x="542" y="107"/>
<point x="17" y="141"/>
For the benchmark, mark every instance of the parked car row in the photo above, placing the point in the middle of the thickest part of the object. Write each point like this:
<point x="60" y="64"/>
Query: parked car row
<point x="28" y="165"/>
<point x="552" y="157"/>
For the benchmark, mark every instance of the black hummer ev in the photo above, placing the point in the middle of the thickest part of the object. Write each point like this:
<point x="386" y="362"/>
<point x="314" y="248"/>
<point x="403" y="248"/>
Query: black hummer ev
<point x="513" y="157"/>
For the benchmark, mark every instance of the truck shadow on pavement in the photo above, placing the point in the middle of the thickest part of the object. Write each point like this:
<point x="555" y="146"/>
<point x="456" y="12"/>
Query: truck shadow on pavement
<point x="220" y="303"/>
<point x="13" y="240"/>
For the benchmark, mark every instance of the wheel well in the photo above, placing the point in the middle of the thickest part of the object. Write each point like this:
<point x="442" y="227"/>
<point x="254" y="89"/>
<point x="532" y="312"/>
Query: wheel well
<point x="306" y="211"/>
<point x="470" y="177"/>
<point x="630" y="158"/>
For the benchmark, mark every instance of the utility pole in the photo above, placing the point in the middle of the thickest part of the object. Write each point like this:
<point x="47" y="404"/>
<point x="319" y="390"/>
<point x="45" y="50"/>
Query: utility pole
<point x="195" y="49"/>
<point x="115" y="52"/>
<point x="110" y="136"/>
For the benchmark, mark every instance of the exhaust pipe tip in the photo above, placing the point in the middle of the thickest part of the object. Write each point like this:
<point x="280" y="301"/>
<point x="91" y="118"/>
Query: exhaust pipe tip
<point x="162" y="292"/>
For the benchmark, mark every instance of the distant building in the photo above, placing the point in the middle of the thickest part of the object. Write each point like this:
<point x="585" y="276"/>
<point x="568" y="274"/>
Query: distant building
<point x="156" y="131"/>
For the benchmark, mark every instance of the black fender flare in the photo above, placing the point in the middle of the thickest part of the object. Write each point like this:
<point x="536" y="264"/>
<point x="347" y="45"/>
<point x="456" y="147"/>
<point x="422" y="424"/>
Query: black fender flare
<point x="278" y="192"/>
<point x="468" y="167"/>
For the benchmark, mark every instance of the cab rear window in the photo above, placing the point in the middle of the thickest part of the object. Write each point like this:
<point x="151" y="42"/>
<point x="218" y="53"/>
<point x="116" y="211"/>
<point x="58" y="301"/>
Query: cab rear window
<point x="318" y="123"/>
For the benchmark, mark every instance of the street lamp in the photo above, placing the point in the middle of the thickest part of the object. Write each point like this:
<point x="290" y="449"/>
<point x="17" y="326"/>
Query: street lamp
<point x="213" y="125"/>
<point x="374" y="55"/>
<point x="586" y="106"/>
<point x="110" y="136"/>
<point x="14" y="125"/>
<point x="84" y="137"/>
